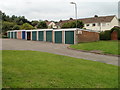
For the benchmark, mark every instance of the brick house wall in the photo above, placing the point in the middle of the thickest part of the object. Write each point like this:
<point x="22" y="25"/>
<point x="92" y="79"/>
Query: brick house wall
<point x="114" y="35"/>
<point x="87" y="36"/>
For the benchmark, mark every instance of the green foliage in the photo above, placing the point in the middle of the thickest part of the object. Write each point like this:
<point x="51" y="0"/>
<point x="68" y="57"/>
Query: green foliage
<point x="0" y="26"/>
<point x="66" y="25"/>
<point x="115" y="29"/>
<point x="4" y="36"/>
<point x="18" y="20"/>
<point x="27" y="26"/>
<point x="42" y="25"/>
<point x="119" y="35"/>
<point x="106" y="35"/>
<point x="118" y="31"/>
<point x="72" y="24"/>
<point x="12" y="22"/>
<point x="16" y="27"/>
<point x="80" y="24"/>
<point x="34" y="23"/>
<point x="7" y="26"/>
<point x="32" y="69"/>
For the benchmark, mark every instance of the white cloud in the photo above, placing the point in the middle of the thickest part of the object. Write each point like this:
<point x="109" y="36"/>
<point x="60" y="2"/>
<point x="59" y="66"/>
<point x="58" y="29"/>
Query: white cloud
<point x="58" y="9"/>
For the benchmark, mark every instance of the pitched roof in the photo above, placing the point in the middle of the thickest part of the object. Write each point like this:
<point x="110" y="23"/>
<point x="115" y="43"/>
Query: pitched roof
<point x="48" y="22"/>
<point x="91" y="20"/>
<point x="98" y="19"/>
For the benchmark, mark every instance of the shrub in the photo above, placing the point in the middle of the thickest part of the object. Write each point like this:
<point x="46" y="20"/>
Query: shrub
<point x="16" y="27"/>
<point x="42" y="25"/>
<point x="106" y="35"/>
<point x="27" y="26"/>
<point x="7" y="26"/>
<point x="118" y="31"/>
<point x="4" y="36"/>
<point x="72" y="24"/>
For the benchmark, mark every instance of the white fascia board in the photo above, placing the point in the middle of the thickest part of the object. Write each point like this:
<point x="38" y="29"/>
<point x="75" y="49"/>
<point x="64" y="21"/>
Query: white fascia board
<point x="68" y="29"/>
<point x="87" y="30"/>
<point x="40" y="30"/>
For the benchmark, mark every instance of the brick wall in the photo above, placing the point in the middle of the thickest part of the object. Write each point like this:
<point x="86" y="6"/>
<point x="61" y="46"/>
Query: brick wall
<point x="88" y="36"/>
<point x="114" y="35"/>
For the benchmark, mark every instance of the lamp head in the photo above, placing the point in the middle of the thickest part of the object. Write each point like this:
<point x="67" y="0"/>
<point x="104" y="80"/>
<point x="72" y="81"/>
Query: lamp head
<point x="72" y="3"/>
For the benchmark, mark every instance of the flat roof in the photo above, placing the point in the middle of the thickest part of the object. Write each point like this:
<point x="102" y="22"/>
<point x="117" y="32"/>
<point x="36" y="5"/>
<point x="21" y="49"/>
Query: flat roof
<point x="67" y="29"/>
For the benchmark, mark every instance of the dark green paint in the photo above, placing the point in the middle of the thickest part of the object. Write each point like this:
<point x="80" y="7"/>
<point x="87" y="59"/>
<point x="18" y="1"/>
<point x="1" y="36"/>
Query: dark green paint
<point x="49" y="36"/>
<point x="69" y="37"/>
<point x="8" y="34"/>
<point x="58" y="36"/>
<point x="34" y="35"/>
<point x="41" y="36"/>
<point x="15" y="35"/>
<point x="11" y="34"/>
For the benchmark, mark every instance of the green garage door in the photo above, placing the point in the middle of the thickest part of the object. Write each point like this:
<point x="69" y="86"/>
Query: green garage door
<point x="11" y="34"/>
<point x="40" y="36"/>
<point x="69" y="37"/>
<point x="49" y="36"/>
<point x="15" y="33"/>
<point x="8" y="34"/>
<point x="34" y="35"/>
<point x="58" y="36"/>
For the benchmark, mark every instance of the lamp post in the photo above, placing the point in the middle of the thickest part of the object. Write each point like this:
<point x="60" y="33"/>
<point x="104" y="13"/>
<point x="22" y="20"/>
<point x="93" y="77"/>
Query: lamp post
<point x="75" y="11"/>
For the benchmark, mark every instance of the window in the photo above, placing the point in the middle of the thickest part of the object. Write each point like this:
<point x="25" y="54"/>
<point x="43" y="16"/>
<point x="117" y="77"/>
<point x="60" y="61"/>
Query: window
<point x="88" y="25"/>
<point x="99" y="24"/>
<point x="104" y="24"/>
<point x="93" y="24"/>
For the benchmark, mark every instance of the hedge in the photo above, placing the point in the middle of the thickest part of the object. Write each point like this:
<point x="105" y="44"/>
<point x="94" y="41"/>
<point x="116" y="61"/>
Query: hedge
<point x="106" y="35"/>
<point x="118" y="31"/>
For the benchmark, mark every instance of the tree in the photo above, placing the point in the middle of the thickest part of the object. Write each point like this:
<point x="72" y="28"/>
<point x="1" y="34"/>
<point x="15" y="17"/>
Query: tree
<point x="34" y="23"/>
<point x="42" y="25"/>
<point x="105" y="35"/>
<point x="72" y="24"/>
<point x="7" y="26"/>
<point x="16" y="27"/>
<point x="20" y="22"/>
<point x="0" y="27"/>
<point x="116" y="29"/>
<point x="66" y="25"/>
<point x="27" y="26"/>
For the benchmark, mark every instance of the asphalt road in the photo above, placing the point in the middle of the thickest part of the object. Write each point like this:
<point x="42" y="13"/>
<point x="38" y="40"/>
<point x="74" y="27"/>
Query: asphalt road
<point x="61" y="49"/>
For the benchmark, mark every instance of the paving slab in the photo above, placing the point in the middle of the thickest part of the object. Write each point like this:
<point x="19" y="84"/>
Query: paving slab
<point x="61" y="49"/>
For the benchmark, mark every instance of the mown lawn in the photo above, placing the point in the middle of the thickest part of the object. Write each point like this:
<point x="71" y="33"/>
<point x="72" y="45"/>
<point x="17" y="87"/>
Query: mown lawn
<point x="106" y="47"/>
<point x="32" y="69"/>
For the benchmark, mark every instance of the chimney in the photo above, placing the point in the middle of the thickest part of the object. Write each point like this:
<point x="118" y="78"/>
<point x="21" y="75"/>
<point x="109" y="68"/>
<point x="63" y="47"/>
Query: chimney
<point x="71" y="18"/>
<point x="96" y="16"/>
<point x="60" y="20"/>
<point x="46" y="20"/>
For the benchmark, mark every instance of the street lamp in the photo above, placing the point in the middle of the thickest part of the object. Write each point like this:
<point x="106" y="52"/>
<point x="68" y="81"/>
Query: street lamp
<point x="75" y="11"/>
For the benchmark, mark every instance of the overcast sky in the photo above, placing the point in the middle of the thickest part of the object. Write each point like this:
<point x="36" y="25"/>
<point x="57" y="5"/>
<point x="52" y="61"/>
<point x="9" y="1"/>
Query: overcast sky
<point x="58" y="9"/>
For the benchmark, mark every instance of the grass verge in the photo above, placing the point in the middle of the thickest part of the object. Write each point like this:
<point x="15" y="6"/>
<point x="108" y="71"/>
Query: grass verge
<point x="32" y="69"/>
<point x="105" y="47"/>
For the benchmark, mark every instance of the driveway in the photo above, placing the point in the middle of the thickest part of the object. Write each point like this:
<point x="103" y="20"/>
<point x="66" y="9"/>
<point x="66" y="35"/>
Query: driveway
<point x="61" y="49"/>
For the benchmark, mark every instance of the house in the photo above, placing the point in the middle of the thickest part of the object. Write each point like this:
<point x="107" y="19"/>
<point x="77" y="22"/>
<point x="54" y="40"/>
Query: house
<point x="51" y="24"/>
<point x="97" y="23"/>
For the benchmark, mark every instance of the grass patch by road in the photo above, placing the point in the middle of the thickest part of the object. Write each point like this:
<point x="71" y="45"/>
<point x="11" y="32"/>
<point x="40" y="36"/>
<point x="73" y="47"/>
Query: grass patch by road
<point x="32" y="69"/>
<point x="106" y="47"/>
